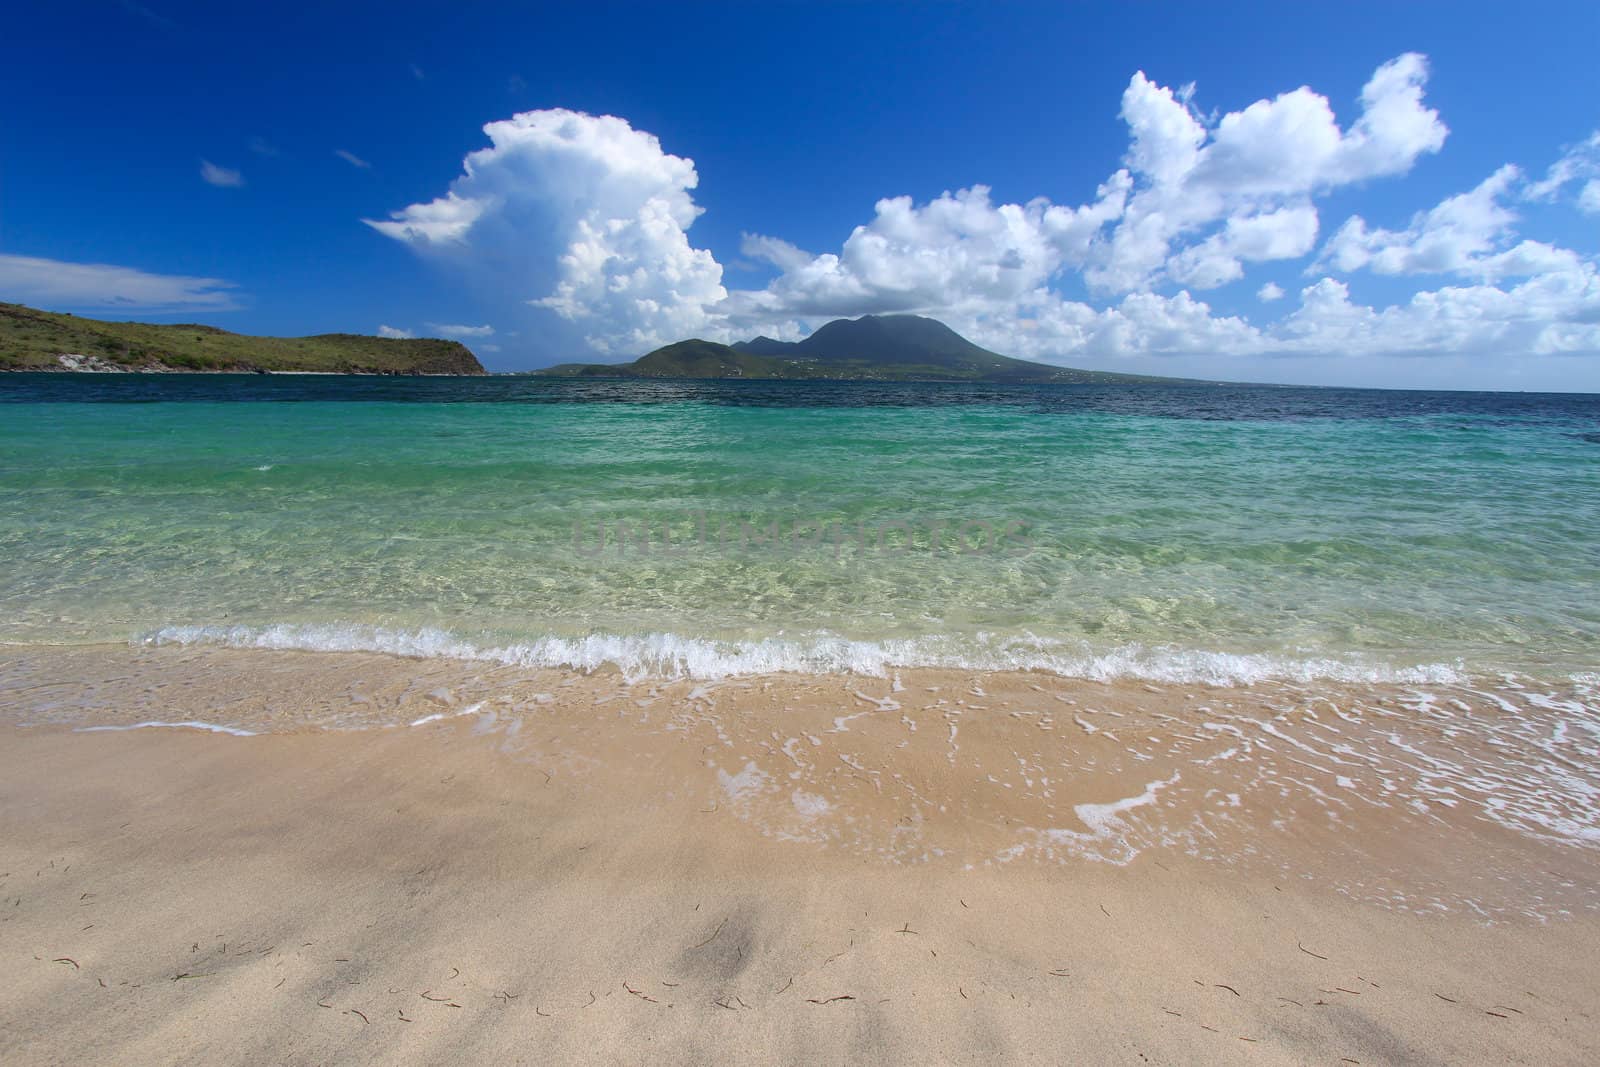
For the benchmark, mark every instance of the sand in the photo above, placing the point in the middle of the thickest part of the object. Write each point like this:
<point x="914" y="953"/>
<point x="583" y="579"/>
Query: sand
<point x="555" y="879"/>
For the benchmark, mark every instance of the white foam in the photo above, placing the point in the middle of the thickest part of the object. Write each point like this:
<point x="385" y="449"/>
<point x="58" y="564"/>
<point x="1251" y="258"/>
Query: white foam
<point x="668" y="655"/>
<point x="750" y="782"/>
<point x="207" y="726"/>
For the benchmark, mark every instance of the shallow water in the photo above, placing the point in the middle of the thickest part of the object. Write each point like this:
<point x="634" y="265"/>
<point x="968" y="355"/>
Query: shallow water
<point x="1181" y="533"/>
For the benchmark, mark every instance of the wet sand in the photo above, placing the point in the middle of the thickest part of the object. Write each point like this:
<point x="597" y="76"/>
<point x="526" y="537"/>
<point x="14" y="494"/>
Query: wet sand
<point x="954" y="867"/>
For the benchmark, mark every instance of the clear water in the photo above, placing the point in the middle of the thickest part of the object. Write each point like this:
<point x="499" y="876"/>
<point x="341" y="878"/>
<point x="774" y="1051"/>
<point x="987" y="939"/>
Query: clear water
<point x="1186" y="531"/>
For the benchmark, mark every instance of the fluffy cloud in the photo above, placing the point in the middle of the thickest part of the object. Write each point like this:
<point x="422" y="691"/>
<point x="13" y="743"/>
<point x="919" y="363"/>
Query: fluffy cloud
<point x="588" y="218"/>
<point x="1192" y="206"/>
<point x="447" y="330"/>
<point x="1254" y="173"/>
<point x="99" y="286"/>
<point x="1552" y="314"/>
<point x="352" y="159"/>
<point x="595" y="197"/>
<point x="212" y="174"/>
<point x="1472" y="234"/>
<point x="394" y="333"/>
<point x="960" y="252"/>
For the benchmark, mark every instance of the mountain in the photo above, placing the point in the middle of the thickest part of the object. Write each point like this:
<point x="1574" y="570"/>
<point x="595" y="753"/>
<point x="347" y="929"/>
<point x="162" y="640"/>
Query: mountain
<point x="685" y="359"/>
<point x="44" y="340"/>
<point x="871" y="348"/>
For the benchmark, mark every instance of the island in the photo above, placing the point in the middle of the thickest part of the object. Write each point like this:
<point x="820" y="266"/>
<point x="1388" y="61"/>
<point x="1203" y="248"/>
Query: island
<point x="871" y="348"/>
<point x="33" y="340"/>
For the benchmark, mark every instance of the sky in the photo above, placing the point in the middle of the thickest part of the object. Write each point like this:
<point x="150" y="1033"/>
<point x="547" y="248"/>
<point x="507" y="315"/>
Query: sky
<point x="1388" y="195"/>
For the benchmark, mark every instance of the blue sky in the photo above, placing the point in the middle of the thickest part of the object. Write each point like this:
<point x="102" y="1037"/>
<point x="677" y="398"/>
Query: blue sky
<point x="723" y="170"/>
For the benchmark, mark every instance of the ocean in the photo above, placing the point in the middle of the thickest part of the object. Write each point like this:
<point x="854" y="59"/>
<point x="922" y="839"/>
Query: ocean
<point x="705" y="528"/>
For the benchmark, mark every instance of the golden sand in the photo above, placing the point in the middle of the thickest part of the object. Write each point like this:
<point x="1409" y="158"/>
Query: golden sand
<point x="942" y="866"/>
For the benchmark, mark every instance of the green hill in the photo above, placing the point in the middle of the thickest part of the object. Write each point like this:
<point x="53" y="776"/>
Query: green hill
<point x="871" y="348"/>
<point x="38" y="340"/>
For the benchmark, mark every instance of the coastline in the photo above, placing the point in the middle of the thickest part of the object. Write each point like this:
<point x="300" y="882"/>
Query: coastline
<point x="174" y="895"/>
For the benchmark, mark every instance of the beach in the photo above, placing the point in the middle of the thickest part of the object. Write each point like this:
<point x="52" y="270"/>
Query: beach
<point x="520" y="719"/>
<point x="770" y="869"/>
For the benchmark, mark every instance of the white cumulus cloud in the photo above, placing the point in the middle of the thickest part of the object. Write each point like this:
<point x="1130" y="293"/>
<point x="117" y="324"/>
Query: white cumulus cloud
<point x="595" y="199"/>
<point x="588" y="218"/>
<point x="394" y="333"/>
<point x="1470" y="234"/>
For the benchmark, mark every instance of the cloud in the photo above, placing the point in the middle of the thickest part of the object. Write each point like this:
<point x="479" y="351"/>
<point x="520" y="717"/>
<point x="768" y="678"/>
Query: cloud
<point x="1472" y="234"/>
<point x="1255" y="172"/>
<point x="588" y="218"/>
<point x="53" y="283"/>
<point x="1193" y="205"/>
<point x="461" y="331"/>
<point x="1580" y="166"/>
<point x="352" y="159"/>
<point x="394" y="333"/>
<point x="222" y="177"/>
<point x="582" y="215"/>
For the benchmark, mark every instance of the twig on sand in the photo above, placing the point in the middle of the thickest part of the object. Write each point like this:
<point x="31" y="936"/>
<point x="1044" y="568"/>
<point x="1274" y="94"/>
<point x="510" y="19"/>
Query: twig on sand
<point x="546" y="1014"/>
<point x="505" y="997"/>
<point x="359" y="1014"/>
<point x="1497" y="1015"/>
<point x="963" y="993"/>
<point x="786" y="985"/>
<point x="906" y="929"/>
<point x="592" y="998"/>
<point x="1229" y="988"/>
<point x="961" y="902"/>
<point x="320" y="1004"/>
<point x="1103" y="911"/>
<point x="640" y="995"/>
<point x="401" y="1012"/>
<point x="830" y="1000"/>
<point x="712" y="938"/>
<point x="186" y="974"/>
<point x="67" y="959"/>
<point x="455" y="972"/>
<point x="1308" y="952"/>
<point x="427" y="994"/>
<point x="1446" y="999"/>
<point x="1169" y="1011"/>
<point x="1061" y="972"/>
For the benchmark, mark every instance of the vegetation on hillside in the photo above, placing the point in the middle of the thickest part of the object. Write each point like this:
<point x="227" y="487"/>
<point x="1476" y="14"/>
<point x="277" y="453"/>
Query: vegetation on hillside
<point x="36" y="340"/>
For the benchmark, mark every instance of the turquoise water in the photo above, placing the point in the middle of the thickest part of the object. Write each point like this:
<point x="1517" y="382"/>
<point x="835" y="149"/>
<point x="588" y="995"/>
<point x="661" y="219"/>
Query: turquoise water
<point x="1182" y="532"/>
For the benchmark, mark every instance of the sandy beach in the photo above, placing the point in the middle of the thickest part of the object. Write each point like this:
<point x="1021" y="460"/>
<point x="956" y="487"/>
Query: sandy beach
<point x="591" y="870"/>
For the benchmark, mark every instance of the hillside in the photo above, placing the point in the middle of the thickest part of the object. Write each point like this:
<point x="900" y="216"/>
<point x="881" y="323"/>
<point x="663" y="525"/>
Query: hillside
<point x="37" y="340"/>
<point x="871" y="348"/>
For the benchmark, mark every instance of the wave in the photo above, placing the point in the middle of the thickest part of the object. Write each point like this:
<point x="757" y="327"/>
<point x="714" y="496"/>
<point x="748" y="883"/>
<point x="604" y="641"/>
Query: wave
<point x="668" y="655"/>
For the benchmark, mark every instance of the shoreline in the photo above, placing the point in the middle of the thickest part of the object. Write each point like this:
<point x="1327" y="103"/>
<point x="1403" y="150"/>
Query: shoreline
<point x="1470" y="798"/>
<point x="370" y="896"/>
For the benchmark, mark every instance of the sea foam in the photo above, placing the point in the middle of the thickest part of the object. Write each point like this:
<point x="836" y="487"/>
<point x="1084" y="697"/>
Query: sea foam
<point x="668" y="655"/>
